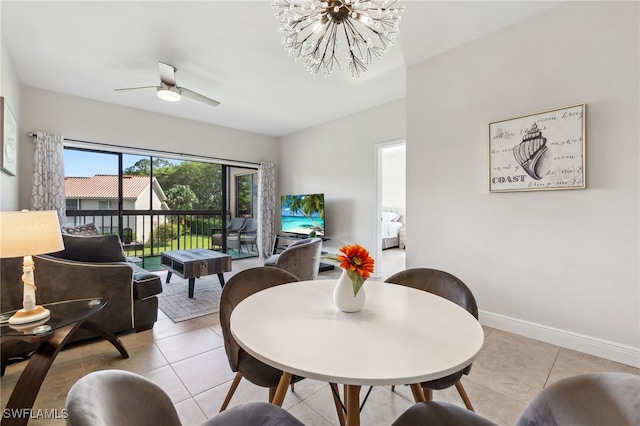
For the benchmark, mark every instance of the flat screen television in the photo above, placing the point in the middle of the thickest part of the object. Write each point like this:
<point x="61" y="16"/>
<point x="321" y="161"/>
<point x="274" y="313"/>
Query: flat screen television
<point x="302" y="213"/>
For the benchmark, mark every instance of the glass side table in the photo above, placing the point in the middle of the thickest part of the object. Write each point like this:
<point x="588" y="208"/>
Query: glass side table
<point x="51" y="333"/>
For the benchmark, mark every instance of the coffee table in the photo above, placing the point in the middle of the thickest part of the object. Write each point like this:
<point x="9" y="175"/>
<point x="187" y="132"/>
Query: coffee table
<point x="52" y="334"/>
<point x="195" y="263"/>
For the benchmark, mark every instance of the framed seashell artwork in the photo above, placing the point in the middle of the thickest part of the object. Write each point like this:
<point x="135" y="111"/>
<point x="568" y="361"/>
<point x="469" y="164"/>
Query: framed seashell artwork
<point x="540" y="151"/>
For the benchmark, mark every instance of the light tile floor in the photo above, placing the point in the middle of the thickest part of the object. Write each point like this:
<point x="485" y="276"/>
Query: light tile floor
<point x="188" y="361"/>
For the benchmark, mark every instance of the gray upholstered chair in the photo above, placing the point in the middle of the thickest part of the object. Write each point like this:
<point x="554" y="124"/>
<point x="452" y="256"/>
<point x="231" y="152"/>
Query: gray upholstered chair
<point x="239" y="287"/>
<point x="587" y="399"/>
<point x="453" y="289"/>
<point x="301" y="258"/>
<point x="118" y="397"/>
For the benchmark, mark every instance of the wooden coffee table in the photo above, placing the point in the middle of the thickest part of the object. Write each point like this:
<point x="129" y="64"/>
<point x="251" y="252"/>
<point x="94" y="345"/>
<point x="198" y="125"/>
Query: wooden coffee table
<point x="195" y="263"/>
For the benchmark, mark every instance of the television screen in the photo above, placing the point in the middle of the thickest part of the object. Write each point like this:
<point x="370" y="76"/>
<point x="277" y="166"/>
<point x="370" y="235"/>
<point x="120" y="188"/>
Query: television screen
<point x="301" y="214"/>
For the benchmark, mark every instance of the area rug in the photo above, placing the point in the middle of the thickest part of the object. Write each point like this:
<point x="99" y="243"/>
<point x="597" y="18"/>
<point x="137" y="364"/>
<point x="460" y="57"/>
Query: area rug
<point x="174" y="300"/>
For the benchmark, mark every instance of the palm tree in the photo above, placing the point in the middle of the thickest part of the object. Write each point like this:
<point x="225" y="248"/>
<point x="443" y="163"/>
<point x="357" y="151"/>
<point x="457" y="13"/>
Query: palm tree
<point x="308" y="205"/>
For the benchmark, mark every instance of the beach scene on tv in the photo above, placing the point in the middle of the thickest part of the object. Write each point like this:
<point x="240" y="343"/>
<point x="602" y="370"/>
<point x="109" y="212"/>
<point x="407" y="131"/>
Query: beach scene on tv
<point x="302" y="214"/>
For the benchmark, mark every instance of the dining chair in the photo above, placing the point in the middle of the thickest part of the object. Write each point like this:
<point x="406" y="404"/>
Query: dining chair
<point x="119" y="397"/>
<point x="239" y="287"/>
<point x="445" y="285"/>
<point x="604" y="398"/>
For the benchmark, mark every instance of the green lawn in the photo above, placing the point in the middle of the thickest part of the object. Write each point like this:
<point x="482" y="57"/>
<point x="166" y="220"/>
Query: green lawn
<point x="151" y="261"/>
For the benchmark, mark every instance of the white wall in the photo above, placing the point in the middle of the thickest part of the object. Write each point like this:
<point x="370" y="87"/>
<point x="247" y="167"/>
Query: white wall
<point x="10" y="90"/>
<point x="92" y="121"/>
<point x="337" y="159"/>
<point x="562" y="266"/>
<point x="394" y="180"/>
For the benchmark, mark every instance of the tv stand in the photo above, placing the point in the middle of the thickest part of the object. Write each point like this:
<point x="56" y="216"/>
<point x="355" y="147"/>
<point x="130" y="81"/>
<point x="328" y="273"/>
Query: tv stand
<point x="278" y="247"/>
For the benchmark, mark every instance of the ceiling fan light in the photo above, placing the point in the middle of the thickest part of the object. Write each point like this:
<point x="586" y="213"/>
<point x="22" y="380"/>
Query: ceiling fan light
<point x="168" y="95"/>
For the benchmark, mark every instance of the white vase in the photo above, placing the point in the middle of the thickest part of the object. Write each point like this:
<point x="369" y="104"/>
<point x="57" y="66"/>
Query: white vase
<point x="343" y="296"/>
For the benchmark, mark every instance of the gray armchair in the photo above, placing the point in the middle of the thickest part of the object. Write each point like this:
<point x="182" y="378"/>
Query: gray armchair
<point x="588" y="399"/>
<point x="118" y="397"/>
<point x="301" y="258"/>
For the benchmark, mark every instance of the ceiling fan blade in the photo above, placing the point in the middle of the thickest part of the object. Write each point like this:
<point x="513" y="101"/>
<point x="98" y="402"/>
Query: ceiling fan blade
<point x="198" y="97"/>
<point x="136" y="88"/>
<point x="167" y="74"/>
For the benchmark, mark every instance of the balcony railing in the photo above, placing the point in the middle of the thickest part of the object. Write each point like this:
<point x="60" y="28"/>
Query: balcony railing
<point x="147" y="233"/>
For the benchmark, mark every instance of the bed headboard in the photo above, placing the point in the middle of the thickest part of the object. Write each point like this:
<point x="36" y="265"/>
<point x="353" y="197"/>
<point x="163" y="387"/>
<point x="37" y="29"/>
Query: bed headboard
<point x="398" y="210"/>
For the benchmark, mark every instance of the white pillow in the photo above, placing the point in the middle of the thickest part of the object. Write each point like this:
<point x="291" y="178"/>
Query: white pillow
<point x="390" y="217"/>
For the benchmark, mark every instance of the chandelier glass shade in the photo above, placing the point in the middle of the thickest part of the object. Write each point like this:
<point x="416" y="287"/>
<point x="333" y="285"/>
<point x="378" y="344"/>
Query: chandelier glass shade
<point x="316" y="29"/>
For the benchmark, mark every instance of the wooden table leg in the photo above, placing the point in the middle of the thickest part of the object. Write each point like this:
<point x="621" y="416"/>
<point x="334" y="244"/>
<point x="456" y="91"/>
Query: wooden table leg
<point x="336" y="400"/>
<point x="281" y="390"/>
<point x="418" y="394"/>
<point x="352" y="396"/>
<point x="28" y="385"/>
<point x="107" y="335"/>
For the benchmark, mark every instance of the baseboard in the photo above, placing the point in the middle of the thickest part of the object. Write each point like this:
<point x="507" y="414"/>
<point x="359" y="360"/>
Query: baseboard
<point x="623" y="354"/>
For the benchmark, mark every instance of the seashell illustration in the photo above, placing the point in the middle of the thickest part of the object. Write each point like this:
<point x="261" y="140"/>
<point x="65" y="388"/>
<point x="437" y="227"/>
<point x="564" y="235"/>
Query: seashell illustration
<point x="532" y="153"/>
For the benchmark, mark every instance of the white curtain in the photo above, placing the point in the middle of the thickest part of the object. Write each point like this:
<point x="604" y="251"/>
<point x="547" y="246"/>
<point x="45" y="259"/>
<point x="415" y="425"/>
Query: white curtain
<point x="48" y="174"/>
<point x="266" y="208"/>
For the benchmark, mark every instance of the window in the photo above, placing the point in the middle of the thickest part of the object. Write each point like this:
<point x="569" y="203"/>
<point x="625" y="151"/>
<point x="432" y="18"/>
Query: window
<point x="72" y="204"/>
<point x="107" y="205"/>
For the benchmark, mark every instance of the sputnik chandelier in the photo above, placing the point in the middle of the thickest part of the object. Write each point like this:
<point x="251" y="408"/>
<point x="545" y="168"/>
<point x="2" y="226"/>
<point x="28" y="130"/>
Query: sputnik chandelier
<point x="313" y="28"/>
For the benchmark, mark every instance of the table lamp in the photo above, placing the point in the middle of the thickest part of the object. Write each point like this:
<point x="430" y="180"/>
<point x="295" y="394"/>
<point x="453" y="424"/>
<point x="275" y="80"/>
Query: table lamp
<point x="28" y="233"/>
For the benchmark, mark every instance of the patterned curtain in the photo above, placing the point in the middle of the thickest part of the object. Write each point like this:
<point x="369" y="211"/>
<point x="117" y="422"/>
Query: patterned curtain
<point x="266" y="208"/>
<point x="48" y="174"/>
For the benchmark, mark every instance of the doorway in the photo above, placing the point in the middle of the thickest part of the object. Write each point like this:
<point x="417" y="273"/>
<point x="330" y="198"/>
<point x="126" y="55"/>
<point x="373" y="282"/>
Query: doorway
<point x="390" y="160"/>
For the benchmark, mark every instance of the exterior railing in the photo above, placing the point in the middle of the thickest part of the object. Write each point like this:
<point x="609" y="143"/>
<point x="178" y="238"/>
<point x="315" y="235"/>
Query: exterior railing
<point x="147" y="233"/>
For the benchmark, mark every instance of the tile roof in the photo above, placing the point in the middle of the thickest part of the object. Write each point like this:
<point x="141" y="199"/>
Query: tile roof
<point x="104" y="186"/>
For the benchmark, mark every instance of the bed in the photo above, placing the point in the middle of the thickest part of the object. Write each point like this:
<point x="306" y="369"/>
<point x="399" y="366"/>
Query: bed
<point x="392" y="221"/>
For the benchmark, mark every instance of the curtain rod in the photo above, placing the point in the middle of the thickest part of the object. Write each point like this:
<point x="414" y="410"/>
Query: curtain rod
<point x="138" y="151"/>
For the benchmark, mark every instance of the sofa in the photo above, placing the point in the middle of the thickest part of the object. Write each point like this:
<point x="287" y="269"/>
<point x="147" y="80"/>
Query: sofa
<point x="89" y="266"/>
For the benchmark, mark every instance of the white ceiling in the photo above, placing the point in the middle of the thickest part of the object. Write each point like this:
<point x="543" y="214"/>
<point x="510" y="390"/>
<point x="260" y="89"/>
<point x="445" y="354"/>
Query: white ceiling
<point x="227" y="50"/>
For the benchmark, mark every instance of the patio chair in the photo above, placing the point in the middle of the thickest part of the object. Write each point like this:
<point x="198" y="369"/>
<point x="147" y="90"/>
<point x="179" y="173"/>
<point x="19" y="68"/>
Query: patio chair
<point x="234" y="226"/>
<point x="249" y="235"/>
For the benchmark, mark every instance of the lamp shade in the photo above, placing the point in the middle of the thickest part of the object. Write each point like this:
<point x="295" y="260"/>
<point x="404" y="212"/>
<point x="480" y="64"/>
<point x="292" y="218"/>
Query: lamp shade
<point x="27" y="233"/>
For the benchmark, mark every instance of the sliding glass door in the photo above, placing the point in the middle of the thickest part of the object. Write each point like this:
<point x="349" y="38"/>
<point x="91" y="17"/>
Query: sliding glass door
<point x="158" y="203"/>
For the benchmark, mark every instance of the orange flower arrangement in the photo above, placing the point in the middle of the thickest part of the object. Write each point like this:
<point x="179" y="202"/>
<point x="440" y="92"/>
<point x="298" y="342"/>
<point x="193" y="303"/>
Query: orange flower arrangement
<point x="357" y="262"/>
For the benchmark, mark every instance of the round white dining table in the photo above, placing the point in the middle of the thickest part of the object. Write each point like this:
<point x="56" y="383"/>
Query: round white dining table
<point x="401" y="336"/>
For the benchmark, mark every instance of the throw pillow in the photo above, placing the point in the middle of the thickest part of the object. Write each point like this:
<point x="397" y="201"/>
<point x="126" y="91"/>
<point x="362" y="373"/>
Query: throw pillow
<point x="86" y="229"/>
<point x="100" y="249"/>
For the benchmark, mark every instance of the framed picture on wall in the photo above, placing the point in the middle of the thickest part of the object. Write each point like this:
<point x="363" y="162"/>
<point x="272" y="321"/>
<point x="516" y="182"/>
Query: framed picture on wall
<point x="540" y="151"/>
<point x="9" y="136"/>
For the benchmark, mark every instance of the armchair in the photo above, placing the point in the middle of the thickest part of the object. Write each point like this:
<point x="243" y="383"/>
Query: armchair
<point x="301" y="258"/>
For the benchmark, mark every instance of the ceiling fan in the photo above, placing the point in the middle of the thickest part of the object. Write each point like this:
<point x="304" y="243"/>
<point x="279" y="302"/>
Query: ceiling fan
<point x="168" y="90"/>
